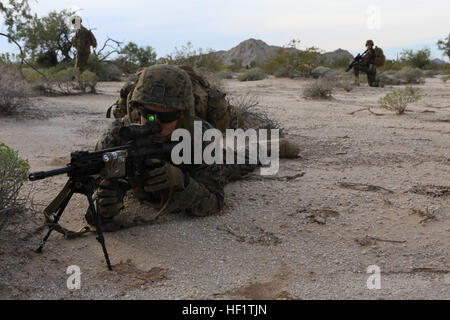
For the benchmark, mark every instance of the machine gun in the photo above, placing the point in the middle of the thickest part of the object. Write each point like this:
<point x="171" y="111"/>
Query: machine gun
<point x="128" y="161"/>
<point x="355" y="61"/>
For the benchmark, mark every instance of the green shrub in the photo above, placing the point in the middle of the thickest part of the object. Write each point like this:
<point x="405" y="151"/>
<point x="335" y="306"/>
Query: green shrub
<point x="105" y="71"/>
<point x="318" y="89"/>
<point x="445" y="78"/>
<point x="13" y="173"/>
<point x="398" y="100"/>
<point x="293" y="62"/>
<point x="253" y="75"/>
<point x="411" y="75"/>
<point x="89" y="80"/>
<point x="224" y="74"/>
<point x="286" y="72"/>
<point x="418" y="59"/>
<point x="395" y="65"/>
<point x="430" y="73"/>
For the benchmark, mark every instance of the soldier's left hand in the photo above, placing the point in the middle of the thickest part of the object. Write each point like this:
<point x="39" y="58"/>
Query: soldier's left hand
<point x="162" y="175"/>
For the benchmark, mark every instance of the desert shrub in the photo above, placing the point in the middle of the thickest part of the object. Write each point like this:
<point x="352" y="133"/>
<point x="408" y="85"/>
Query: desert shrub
<point x="430" y="73"/>
<point x="224" y="74"/>
<point x="341" y="63"/>
<point x="196" y="58"/>
<point x="285" y="72"/>
<point x="389" y="78"/>
<point x="444" y="68"/>
<point x="254" y="74"/>
<point x="444" y="45"/>
<point x="398" y="100"/>
<point x="52" y="80"/>
<point x="395" y="65"/>
<point x="318" y="89"/>
<point x="410" y="75"/>
<point x="293" y="62"/>
<point x="89" y="80"/>
<point x="418" y="59"/>
<point x="13" y="91"/>
<point x="111" y="72"/>
<point x="13" y="173"/>
<point x="105" y="71"/>
<point x="249" y="106"/>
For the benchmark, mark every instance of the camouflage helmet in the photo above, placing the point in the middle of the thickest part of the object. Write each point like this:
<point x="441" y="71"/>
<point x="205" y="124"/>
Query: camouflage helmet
<point x="164" y="86"/>
<point x="369" y="42"/>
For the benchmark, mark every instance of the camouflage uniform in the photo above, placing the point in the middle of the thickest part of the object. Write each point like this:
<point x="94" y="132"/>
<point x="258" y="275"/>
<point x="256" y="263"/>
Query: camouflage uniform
<point x="83" y="41"/>
<point x="210" y="105"/>
<point x="202" y="191"/>
<point x="367" y="65"/>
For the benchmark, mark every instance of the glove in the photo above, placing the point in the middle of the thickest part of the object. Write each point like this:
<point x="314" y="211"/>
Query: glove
<point x="110" y="194"/>
<point x="162" y="175"/>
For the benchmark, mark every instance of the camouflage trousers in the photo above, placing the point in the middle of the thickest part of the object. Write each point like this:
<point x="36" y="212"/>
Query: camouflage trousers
<point x="371" y="73"/>
<point x="81" y="61"/>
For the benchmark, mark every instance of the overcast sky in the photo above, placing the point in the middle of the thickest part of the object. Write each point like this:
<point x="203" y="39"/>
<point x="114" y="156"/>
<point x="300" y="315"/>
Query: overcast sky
<point x="347" y="24"/>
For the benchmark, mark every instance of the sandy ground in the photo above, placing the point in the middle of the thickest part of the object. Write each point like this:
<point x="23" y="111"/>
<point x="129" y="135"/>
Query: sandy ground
<point x="376" y="191"/>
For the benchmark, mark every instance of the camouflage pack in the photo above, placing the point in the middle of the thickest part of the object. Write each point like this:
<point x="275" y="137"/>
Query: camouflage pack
<point x="380" y="58"/>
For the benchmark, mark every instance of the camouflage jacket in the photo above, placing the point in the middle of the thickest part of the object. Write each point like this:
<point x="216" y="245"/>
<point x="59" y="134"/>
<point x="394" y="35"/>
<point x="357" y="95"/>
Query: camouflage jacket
<point x="368" y="59"/>
<point x="204" y="193"/>
<point x="83" y="41"/>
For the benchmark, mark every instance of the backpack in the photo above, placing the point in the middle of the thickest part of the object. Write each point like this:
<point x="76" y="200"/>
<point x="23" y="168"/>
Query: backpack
<point x="380" y="58"/>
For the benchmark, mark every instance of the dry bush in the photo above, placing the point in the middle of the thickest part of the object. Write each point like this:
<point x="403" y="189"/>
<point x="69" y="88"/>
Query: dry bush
<point x="318" y="89"/>
<point x="14" y="92"/>
<point x="398" y="100"/>
<point x="248" y="105"/>
<point x="254" y="74"/>
<point x="445" y="78"/>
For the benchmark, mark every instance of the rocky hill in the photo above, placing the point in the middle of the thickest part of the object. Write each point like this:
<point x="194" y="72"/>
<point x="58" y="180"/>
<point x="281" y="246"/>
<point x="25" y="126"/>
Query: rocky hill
<point x="248" y="51"/>
<point x="258" y="51"/>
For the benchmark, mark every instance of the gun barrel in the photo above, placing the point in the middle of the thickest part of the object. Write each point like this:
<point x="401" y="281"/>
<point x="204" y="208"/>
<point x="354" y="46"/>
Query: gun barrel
<point x="45" y="174"/>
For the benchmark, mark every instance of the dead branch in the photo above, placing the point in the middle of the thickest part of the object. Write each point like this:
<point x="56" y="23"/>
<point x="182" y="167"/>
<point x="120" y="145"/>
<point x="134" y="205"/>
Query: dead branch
<point x="385" y="240"/>
<point x="284" y="178"/>
<point x="363" y="187"/>
<point x="23" y="61"/>
<point x="105" y="45"/>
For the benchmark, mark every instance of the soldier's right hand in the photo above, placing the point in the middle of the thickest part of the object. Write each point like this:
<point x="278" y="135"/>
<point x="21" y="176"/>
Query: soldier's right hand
<point x="110" y="194"/>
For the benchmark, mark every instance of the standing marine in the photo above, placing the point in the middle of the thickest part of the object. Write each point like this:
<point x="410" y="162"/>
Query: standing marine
<point x="83" y="40"/>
